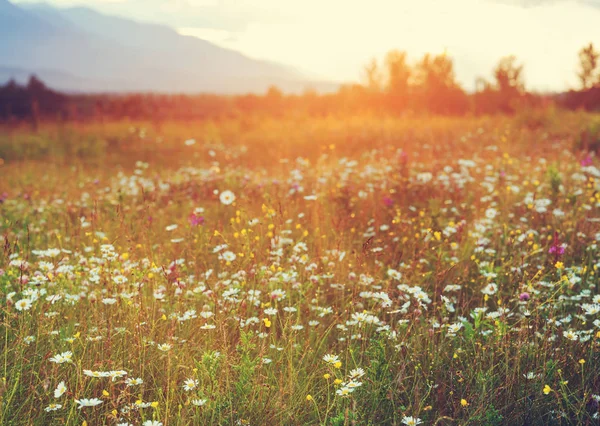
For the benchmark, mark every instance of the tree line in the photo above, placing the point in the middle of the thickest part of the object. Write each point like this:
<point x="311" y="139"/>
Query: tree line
<point x="392" y="85"/>
<point x="31" y="101"/>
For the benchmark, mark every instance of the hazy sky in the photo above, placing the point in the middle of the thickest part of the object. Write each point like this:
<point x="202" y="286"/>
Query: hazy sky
<point x="333" y="39"/>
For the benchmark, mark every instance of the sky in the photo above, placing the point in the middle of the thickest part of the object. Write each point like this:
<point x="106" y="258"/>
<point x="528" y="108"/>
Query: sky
<point x="334" y="39"/>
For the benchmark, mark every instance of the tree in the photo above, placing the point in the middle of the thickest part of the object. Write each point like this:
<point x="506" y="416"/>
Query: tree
<point x="436" y="71"/>
<point x="36" y="85"/>
<point x="588" y="61"/>
<point x="509" y="76"/>
<point x="274" y="100"/>
<point x="510" y="83"/>
<point x="436" y="85"/>
<point x="397" y="79"/>
<point x="485" y="98"/>
<point x="372" y="76"/>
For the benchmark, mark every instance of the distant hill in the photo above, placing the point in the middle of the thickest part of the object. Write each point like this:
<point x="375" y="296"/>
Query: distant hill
<point x="80" y="50"/>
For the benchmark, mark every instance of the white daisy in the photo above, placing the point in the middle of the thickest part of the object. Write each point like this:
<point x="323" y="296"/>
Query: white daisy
<point x="61" y="388"/>
<point x="227" y="197"/>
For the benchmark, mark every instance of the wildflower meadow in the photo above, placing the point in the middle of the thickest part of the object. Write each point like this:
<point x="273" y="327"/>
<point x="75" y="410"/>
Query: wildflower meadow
<point x="357" y="270"/>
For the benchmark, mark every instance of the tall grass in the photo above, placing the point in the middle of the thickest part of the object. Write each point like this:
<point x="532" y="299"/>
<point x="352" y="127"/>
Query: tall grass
<point x="376" y="271"/>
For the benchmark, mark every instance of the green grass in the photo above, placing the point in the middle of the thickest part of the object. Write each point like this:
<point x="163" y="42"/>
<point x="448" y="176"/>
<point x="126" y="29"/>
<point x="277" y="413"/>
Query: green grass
<point x="465" y="203"/>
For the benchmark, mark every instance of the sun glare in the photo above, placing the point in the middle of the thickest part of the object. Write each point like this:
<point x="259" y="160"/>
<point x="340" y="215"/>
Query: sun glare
<point x="336" y="38"/>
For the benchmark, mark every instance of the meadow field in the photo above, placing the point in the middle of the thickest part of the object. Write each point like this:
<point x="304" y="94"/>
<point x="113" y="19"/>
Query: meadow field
<point x="359" y="270"/>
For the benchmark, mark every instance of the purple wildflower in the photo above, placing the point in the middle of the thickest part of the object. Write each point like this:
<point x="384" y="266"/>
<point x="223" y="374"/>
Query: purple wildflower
<point x="556" y="249"/>
<point x="587" y="161"/>
<point x="196" y="220"/>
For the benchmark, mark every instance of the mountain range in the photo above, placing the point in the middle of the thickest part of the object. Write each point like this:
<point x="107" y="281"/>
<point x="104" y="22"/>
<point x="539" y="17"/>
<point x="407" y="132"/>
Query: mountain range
<point x="80" y="50"/>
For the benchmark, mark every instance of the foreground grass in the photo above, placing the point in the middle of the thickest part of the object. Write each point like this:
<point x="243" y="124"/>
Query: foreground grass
<point x="360" y="271"/>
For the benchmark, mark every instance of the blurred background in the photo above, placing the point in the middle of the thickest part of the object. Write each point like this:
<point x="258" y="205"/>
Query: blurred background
<point x="159" y="59"/>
